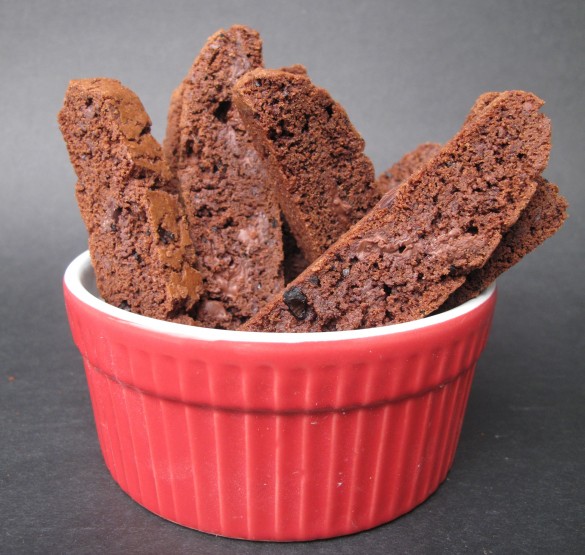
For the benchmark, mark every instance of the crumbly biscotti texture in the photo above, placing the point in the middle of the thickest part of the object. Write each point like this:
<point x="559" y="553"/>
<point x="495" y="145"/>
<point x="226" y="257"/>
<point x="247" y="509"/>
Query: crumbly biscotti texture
<point x="234" y="218"/>
<point x="403" y="260"/>
<point x="138" y="239"/>
<point x="324" y="181"/>
<point x="543" y="217"/>
<point x="395" y="175"/>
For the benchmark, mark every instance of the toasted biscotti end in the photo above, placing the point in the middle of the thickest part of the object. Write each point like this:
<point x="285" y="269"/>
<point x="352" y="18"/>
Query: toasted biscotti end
<point x="403" y="260"/>
<point x="324" y="181"/>
<point x="116" y="106"/>
<point x="482" y="102"/>
<point x="138" y="239"/>
<point x="390" y="180"/>
<point x="240" y="38"/>
<point x="225" y="57"/>
<point x="299" y="69"/>
<point x="541" y="219"/>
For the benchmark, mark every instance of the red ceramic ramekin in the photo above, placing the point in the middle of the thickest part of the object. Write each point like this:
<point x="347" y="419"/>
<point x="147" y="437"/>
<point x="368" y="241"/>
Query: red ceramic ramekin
<point x="268" y="436"/>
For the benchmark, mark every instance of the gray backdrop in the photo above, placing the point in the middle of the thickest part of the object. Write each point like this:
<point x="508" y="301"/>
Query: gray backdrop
<point x="406" y="72"/>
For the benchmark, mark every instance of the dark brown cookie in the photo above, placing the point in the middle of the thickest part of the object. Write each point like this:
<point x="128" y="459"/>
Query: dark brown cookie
<point x="403" y="260"/>
<point x="542" y="218"/>
<point x="324" y="181"/>
<point x="234" y="218"/>
<point x="138" y="239"/>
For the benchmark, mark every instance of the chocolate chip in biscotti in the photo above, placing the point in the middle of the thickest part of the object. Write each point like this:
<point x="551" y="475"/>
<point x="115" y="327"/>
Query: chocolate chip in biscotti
<point x="138" y="239"/>
<point x="296" y="301"/>
<point x="406" y="257"/>
<point x="234" y="218"/>
<point x="323" y="179"/>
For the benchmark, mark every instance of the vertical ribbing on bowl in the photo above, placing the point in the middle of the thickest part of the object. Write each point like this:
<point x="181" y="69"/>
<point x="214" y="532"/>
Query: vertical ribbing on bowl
<point x="450" y="416"/>
<point x="180" y="437"/>
<point x="259" y="460"/>
<point x="176" y="472"/>
<point x="469" y="354"/>
<point x="116" y="419"/>
<point x="146" y="421"/>
<point x="415" y="428"/>
<point x="450" y="359"/>
<point x="332" y="462"/>
<point x="462" y="397"/>
<point x="305" y="484"/>
<point x="192" y="494"/>
<point x="281" y="465"/>
<point x="215" y="471"/>
<point x="380" y="451"/>
<point x="201" y="422"/>
<point x="96" y="384"/>
<point x="131" y="401"/>
<point x="357" y="482"/>
<point x="361" y="468"/>
<point x="182" y="450"/>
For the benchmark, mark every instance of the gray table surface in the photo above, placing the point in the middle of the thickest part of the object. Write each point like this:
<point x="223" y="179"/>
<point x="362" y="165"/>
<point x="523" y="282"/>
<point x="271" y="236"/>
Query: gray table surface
<point x="406" y="72"/>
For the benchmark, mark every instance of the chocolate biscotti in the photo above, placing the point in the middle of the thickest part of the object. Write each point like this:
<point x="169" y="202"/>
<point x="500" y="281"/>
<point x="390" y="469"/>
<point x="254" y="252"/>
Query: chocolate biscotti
<point x="403" y="260"/>
<point x="138" y="239"/>
<point x="542" y="218"/>
<point x="233" y="216"/>
<point x="324" y="181"/>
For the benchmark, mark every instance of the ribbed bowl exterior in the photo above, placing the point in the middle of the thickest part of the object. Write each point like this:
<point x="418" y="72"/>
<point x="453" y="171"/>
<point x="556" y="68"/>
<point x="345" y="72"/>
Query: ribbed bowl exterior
<point x="278" y="441"/>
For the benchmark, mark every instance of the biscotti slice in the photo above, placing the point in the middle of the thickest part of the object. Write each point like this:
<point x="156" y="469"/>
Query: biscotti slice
<point x="138" y="239"/>
<point x="542" y="218"/>
<point x="392" y="178"/>
<point x="234" y="218"/>
<point x="403" y="260"/>
<point x="324" y="181"/>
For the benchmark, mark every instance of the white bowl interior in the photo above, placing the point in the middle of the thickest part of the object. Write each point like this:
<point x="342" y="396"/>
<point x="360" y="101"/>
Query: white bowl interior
<point x="80" y="281"/>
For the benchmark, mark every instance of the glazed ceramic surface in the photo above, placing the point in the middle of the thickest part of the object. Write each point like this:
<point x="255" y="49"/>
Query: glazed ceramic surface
<point x="268" y="436"/>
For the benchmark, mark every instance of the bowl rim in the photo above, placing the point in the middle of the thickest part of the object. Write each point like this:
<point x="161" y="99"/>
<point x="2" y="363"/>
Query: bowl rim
<point x="79" y="275"/>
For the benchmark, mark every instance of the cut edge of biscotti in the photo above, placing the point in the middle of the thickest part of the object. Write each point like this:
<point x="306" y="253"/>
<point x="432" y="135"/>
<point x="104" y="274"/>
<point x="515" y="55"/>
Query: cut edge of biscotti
<point x="511" y="112"/>
<point x="323" y="180"/>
